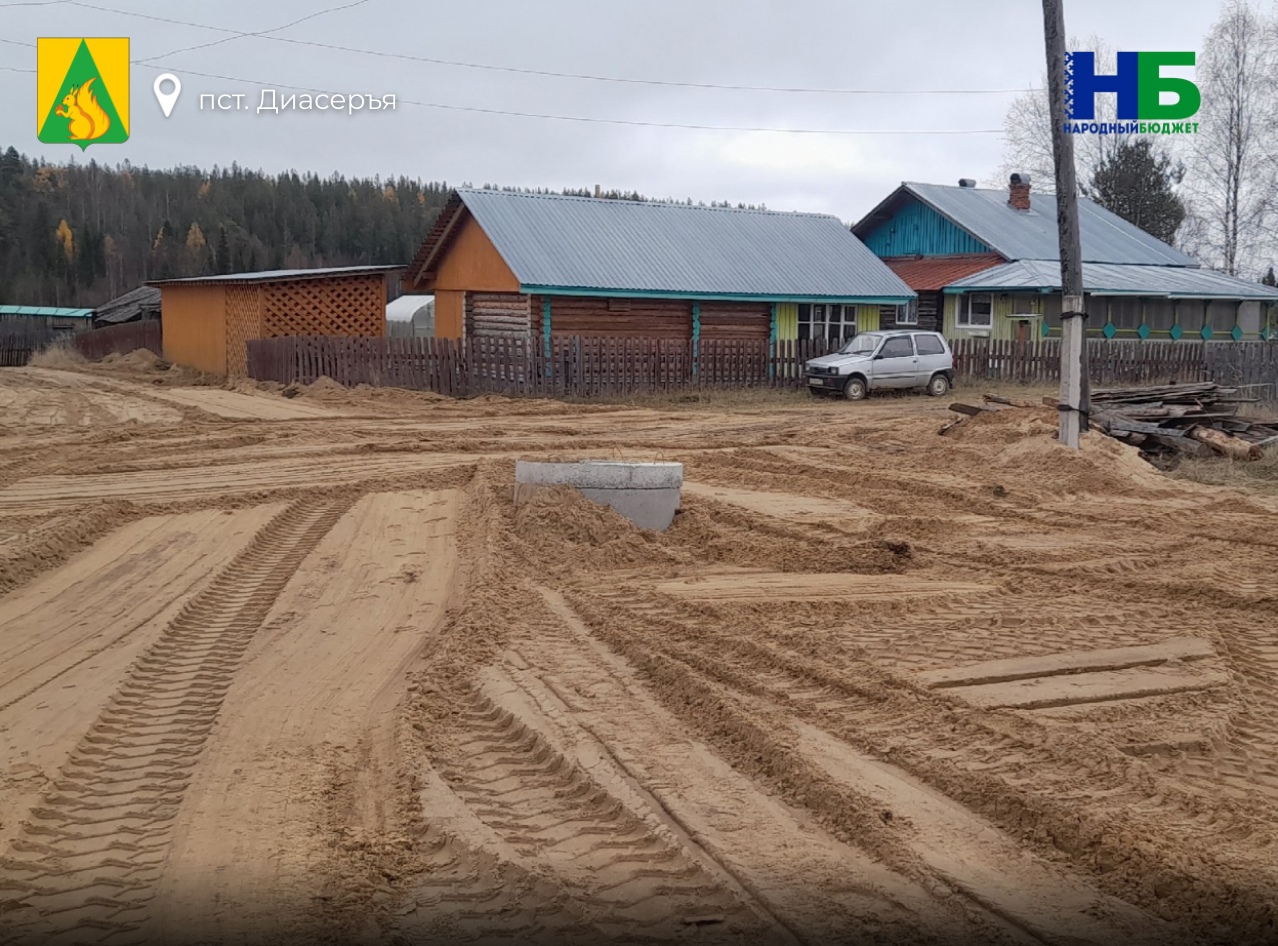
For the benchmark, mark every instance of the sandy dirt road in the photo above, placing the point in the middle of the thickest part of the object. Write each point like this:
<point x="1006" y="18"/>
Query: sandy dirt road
<point x="296" y="670"/>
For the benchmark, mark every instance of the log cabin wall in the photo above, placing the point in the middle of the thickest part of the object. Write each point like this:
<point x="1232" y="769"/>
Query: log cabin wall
<point x="597" y="316"/>
<point x="736" y="320"/>
<point x="498" y="315"/>
<point x="929" y="311"/>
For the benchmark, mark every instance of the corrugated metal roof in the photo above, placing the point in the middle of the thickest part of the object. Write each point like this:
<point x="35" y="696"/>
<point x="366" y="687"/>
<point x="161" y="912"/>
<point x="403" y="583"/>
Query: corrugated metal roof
<point x="603" y="246"/>
<point x="930" y="273"/>
<point x="1031" y="234"/>
<point x="277" y="275"/>
<point x="1102" y="278"/>
<point x="45" y="311"/>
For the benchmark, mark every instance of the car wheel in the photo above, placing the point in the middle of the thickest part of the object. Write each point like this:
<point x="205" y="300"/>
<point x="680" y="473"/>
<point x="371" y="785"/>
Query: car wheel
<point x="939" y="386"/>
<point x="855" y="389"/>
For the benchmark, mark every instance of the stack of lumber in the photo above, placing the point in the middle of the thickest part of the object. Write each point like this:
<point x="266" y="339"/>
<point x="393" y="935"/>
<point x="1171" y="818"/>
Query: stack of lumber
<point x="1166" y="421"/>
<point x="1191" y="419"/>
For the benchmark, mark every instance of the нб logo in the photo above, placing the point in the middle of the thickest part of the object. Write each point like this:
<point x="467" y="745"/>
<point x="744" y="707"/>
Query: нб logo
<point x="1138" y="82"/>
<point x="82" y="91"/>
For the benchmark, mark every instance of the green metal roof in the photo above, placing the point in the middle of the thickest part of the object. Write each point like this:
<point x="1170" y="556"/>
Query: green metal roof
<point x="591" y="246"/>
<point x="1173" y="282"/>
<point x="44" y="311"/>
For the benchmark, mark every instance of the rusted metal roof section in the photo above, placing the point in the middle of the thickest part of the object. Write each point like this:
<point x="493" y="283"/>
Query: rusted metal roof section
<point x="1176" y="282"/>
<point x="622" y="247"/>
<point x="1031" y="234"/>
<point x="933" y="273"/>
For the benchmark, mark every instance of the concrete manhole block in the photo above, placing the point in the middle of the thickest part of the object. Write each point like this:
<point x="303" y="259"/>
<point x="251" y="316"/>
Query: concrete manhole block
<point x="647" y="494"/>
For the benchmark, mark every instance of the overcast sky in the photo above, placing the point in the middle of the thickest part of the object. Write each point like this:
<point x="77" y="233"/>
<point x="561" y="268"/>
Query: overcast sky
<point x="844" y="44"/>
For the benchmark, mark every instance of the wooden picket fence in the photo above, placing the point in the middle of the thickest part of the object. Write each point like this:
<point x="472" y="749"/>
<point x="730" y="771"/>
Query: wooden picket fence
<point x="570" y="366"/>
<point x="120" y="339"/>
<point x="604" y="367"/>
<point x="22" y="337"/>
<point x="1120" y="362"/>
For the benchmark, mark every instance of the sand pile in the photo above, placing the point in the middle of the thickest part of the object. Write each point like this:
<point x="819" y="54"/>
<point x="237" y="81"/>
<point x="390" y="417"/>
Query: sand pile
<point x="1009" y="426"/>
<point x="324" y="387"/>
<point x="1021" y="446"/>
<point x="140" y="359"/>
<point x="707" y="531"/>
<point x="559" y="527"/>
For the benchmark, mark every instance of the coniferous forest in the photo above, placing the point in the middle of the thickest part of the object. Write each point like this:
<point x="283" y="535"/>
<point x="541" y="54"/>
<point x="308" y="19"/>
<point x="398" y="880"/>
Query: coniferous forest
<point x="79" y="234"/>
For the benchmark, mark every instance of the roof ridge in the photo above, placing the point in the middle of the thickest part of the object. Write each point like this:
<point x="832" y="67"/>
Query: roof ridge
<point x="649" y="202"/>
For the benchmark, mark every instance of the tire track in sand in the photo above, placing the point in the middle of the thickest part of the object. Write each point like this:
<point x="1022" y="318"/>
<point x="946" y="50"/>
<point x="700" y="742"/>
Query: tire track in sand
<point x="998" y="764"/>
<point x="89" y="854"/>
<point x="634" y="883"/>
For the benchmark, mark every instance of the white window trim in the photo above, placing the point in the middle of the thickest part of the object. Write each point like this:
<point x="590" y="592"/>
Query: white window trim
<point x="907" y="314"/>
<point x="963" y="317"/>
<point x="847" y="313"/>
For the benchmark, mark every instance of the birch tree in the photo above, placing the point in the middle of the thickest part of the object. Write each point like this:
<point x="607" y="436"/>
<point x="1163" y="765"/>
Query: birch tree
<point x="1027" y="130"/>
<point x="1233" y="168"/>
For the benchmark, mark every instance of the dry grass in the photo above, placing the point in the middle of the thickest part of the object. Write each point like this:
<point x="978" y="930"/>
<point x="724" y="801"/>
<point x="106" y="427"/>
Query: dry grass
<point x="58" y="356"/>
<point x="972" y="390"/>
<point x="1259" y="474"/>
<point x="710" y="397"/>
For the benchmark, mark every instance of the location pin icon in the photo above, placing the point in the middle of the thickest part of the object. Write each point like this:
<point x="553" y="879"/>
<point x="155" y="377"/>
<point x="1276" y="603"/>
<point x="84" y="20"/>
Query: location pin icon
<point x="167" y="99"/>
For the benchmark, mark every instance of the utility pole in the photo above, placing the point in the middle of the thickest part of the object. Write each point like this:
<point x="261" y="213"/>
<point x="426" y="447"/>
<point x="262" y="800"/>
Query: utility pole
<point x="1075" y="396"/>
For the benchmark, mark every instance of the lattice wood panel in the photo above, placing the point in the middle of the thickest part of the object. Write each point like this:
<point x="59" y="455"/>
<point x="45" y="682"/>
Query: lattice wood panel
<point x="341" y="305"/>
<point x="243" y="321"/>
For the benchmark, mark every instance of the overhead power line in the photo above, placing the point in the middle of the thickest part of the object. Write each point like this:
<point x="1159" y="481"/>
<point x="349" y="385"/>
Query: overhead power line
<point x="491" y="67"/>
<point x="264" y="34"/>
<point x="691" y="126"/>
<point x="603" y="121"/>
<point x="586" y="119"/>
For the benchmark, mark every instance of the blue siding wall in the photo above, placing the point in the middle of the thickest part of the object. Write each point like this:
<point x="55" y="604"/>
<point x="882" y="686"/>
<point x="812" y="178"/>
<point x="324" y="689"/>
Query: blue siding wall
<point x="918" y="229"/>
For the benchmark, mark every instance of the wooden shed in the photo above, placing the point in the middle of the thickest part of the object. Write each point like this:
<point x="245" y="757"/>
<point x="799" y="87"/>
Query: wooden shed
<point x="505" y="264"/>
<point x="208" y="320"/>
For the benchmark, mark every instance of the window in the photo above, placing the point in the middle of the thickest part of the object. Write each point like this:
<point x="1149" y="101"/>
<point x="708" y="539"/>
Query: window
<point x="898" y="346"/>
<point x="908" y="314"/>
<point x="978" y="312"/>
<point x="834" y="322"/>
<point x="929" y="345"/>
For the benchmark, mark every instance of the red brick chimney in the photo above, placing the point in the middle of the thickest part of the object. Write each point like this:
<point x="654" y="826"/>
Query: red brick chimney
<point x="1019" y="192"/>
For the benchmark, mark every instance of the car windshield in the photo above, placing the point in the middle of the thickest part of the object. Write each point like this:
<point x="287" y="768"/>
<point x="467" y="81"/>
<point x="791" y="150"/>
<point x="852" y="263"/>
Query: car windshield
<point x="862" y="344"/>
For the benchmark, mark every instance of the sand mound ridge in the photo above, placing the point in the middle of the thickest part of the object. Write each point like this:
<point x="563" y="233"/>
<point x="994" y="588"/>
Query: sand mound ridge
<point x="325" y="385"/>
<point x="1023" y="444"/>
<point x="140" y="359"/>
<point x="560" y="529"/>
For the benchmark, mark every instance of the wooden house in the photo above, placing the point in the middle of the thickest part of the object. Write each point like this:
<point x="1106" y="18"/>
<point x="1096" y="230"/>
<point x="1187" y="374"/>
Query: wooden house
<point x="138" y="305"/>
<point x="208" y="320"/>
<point x="51" y="320"/>
<point x="986" y="263"/>
<point x="504" y="264"/>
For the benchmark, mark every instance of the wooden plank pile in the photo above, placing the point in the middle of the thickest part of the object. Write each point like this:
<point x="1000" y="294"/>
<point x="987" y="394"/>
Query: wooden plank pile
<point x="1166" y="421"/>
<point x="1183" y="419"/>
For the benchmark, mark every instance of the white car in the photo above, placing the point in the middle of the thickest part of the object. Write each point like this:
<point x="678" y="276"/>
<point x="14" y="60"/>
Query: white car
<point x="874" y="361"/>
